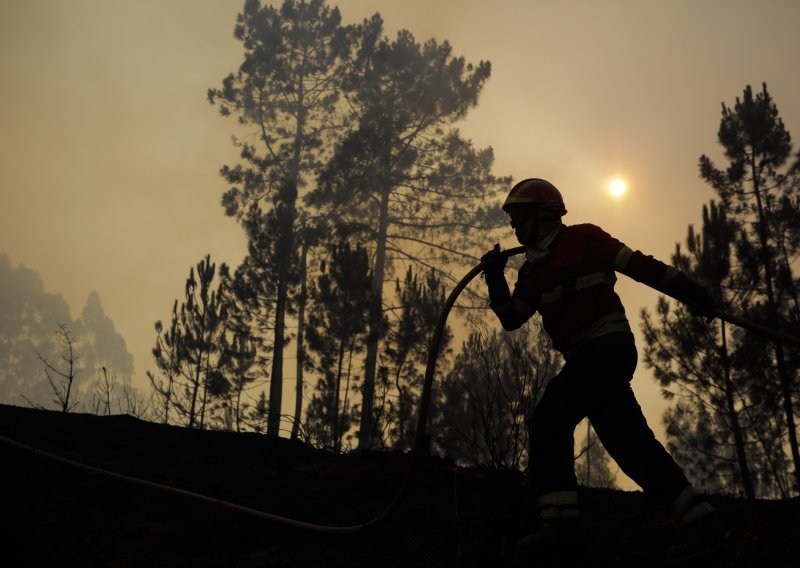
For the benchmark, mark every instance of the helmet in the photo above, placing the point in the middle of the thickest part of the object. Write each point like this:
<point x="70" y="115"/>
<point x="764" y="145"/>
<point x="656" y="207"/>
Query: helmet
<point x="535" y="191"/>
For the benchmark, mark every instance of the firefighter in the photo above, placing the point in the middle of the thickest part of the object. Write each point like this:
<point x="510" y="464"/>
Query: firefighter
<point x="568" y="277"/>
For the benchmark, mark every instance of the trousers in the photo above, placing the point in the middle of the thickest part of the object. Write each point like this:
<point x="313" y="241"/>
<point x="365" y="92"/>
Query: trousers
<point x="595" y="383"/>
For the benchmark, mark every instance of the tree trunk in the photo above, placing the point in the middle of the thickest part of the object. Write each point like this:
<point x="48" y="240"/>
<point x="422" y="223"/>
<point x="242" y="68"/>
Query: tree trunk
<point x="286" y="239"/>
<point x="196" y="381"/>
<point x="367" y="426"/>
<point x="401" y="422"/>
<point x="71" y="376"/>
<point x="276" y="375"/>
<point x="772" y="309"/>
<point x="205" y="388"/>
<point x="744" y="470"/>
<point x="349" y="368"/>
<point x="239" y="405"/>
<point x="199" y="367"/>
<point x="335" y="405"/>
<point x="168" y="398"/>
<point x="301" y="318"/>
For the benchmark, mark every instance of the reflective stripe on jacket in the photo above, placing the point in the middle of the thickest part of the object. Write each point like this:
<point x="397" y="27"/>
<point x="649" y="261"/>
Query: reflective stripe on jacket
<point x="573" y="287"/>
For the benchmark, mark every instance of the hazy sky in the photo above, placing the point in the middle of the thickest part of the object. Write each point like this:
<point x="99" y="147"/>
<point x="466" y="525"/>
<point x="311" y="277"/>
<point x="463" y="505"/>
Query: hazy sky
<point x="109" y="152"/>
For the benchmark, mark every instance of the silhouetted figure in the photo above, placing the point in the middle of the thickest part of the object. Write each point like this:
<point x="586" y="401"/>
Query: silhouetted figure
<point x="568" y="277"/>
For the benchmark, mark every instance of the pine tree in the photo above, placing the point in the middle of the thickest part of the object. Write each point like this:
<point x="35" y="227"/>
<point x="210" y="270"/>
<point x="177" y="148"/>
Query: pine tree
<point x="695" y="362"/>
<point x="168" y="356"/>
<point x="336" y="327"/>
<point x="252" y="290"/>
<point x="201" y="317"/>
<point x="245" y="334"/>
<point x="287" y="86"/>
<point x="309" y="236"/>
<point x="404" y="175"/>
<point x="105" y="345"/>
<point x="759" y="187"/>
<point x="192" y="353"/>
<point x="241" y="358"/>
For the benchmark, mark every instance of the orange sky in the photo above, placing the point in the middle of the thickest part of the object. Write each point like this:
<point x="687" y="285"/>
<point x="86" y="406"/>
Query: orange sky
<point x="109" y="152"/>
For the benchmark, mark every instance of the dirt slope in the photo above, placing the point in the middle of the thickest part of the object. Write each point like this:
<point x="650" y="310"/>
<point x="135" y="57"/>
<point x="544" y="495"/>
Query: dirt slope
<point x="452" y="517"/>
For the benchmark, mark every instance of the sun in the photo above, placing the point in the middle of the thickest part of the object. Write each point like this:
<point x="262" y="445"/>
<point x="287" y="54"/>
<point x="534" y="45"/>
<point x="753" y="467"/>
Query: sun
<point x="617" y="187"/>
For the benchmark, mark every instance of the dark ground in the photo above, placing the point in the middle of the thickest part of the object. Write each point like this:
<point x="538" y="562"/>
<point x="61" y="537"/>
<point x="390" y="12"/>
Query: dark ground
<point x="53" y="514"/>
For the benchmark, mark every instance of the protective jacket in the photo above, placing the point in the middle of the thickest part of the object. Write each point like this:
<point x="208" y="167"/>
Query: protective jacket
<point x="573" y="287"/>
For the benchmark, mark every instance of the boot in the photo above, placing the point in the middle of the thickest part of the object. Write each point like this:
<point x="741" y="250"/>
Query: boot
<point x="557" y="532"/>
<point x="698" y="525"/>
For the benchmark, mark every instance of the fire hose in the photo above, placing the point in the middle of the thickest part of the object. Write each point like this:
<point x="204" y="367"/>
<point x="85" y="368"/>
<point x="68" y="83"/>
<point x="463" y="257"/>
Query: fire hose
<point x="420" y="442"/>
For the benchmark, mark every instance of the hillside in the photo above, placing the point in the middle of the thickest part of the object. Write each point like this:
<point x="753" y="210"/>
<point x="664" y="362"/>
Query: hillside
<point x="452" y="517"/>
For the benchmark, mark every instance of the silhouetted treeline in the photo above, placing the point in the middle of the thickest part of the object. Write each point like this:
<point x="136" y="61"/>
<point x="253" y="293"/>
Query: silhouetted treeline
<point x="734" y="423"/>
<point x="50" y="360"/>
<point x="351" y="171"/>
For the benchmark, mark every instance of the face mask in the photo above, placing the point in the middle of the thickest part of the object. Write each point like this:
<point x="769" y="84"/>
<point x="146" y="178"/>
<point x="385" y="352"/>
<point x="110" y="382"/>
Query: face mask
<point x="538" y="237"/>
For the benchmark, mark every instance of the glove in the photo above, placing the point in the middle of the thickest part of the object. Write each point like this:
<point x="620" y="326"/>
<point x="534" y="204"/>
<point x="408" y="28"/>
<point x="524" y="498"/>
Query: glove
<point x="695" y="296"/>
<point x="495" y="262"/>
